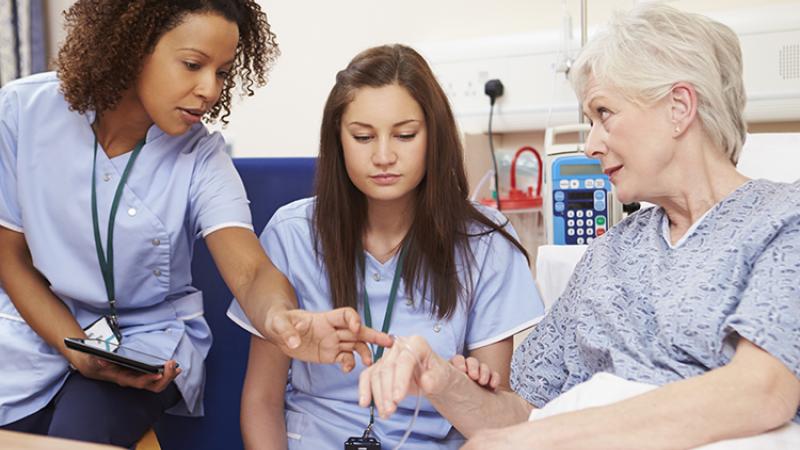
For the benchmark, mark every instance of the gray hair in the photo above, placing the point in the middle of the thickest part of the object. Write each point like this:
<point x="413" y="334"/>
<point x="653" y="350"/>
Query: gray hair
<point x="646" y="51"/>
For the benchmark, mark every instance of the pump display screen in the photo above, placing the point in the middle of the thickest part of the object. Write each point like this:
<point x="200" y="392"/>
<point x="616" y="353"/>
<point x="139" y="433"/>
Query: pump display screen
<point x="581" y="195"/>
<point x="580" y="169"/>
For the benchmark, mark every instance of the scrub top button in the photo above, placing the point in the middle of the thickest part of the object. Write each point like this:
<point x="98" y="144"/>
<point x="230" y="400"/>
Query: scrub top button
<point x="107" y="177"/>
<point x="376" y="276"/>
<point x="156" y="242"/>
<point x="437" y="328"/>
<point x="131" y="212"/>
<point x="157" y="272"/>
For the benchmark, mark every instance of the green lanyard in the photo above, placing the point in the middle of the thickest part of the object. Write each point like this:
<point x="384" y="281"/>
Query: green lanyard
<point x="107" y="261"/>
<point x="387" y="317"/>
<point x="387" y="320"/>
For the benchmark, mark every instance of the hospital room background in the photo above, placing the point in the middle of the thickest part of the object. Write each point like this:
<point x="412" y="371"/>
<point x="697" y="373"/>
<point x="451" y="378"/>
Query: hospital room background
<point x="526" y="44"/>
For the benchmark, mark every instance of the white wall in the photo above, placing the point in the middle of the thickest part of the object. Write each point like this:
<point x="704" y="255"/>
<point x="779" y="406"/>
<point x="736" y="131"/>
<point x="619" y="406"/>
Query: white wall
<point x="318" y="38"/>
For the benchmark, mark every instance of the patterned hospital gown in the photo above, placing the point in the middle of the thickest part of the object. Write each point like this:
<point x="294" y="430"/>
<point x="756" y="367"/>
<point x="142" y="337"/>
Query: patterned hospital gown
<point x="645" y="310"/>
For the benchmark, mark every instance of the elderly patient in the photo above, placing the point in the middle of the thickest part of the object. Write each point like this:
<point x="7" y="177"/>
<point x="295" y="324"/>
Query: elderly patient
<point x="698" y="295"/>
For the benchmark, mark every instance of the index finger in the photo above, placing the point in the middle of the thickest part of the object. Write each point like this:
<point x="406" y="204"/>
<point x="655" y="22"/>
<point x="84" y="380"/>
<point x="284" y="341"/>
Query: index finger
<point x="371" y="336"/>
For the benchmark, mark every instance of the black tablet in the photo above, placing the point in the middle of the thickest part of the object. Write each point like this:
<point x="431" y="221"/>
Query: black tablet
<point x="118" y="354"/>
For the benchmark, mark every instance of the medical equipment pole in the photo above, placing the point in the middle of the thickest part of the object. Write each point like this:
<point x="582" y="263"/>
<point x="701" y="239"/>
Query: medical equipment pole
<point x="584" y="36"/>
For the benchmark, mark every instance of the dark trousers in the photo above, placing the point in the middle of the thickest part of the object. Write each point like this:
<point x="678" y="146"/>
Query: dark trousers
<point x="98" y="411"/>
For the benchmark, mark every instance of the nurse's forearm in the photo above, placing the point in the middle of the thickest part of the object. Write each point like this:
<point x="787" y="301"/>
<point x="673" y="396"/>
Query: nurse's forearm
<point x="260" y="288"/>
<point x="269" y="293"/>
<point x="471" y="408"/>
<point x="31" y="295"/>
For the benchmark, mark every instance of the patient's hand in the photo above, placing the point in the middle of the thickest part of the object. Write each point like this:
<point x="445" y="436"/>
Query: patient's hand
<point x="325" y="337"/>
<point x="409" y="367"/>
<point x="477" y="371"/>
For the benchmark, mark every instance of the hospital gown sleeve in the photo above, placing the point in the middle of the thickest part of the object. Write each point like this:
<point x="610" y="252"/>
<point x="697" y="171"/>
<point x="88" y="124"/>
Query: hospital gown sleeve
<point x="768" y="313"/>
<point x="217" y="196"/>
<point x="275" y="246"/>
<point x="538" y="369"/>
<point x="10" y="211"/>
<point x="505" y="299"/>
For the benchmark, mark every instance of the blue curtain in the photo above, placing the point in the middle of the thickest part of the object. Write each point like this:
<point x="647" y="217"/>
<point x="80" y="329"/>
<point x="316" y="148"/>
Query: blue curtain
<point x="22" y="39"/>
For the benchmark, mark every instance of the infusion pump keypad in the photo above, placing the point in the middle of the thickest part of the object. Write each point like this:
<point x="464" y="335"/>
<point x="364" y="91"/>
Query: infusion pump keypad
<point x="582" y="207"/>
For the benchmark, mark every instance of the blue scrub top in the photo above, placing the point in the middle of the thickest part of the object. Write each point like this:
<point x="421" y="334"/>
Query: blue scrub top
<point x="321" y="402"/>
<point x="180" y="188"/>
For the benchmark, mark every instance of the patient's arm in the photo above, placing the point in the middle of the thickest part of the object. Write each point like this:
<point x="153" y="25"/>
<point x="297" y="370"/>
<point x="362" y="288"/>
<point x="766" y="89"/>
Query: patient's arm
<point x="412" y="365"/>
<point x="753" y="394"/>
<point x="262" y="416"/>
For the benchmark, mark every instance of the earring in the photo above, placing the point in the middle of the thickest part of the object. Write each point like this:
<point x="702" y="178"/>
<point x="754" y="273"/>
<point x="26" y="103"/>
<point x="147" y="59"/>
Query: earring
<point x="677" y="130"/>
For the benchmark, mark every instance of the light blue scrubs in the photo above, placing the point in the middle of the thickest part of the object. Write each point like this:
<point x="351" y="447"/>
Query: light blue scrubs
<point x="179" y="189"/>
<point x="321" y="402"/>
<point x="646" y="310"/>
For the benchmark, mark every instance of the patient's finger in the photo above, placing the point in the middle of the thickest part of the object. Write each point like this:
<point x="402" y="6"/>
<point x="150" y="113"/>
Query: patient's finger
<point x="459" y="362"/>
<point x="364" y="392"/>
<point x="485" y="374"/>
<point x="404" y="373"/>
<point x="387" y="380"/>
<point x="377" y="391"/>
<point x="473" y="368"/>
<point x="494" y="383"/>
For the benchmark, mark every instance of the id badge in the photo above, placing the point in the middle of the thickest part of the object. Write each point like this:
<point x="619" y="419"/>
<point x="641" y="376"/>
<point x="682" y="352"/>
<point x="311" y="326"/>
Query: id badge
<point x="105" y="330"/>
<point x="362" y="443"/>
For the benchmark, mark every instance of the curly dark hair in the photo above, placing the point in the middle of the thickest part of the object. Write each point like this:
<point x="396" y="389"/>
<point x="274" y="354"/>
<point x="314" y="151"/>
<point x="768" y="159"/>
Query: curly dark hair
<point x="107" y="41"/>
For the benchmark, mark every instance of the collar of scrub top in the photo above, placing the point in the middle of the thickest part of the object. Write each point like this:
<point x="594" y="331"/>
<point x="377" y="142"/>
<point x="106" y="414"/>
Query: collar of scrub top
<point x="107" y="260"/>
<point x="387" y="320"/>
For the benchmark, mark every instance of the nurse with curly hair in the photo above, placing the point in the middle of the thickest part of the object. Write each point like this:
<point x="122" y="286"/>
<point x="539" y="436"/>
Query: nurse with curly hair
<point x="107" y="177"/>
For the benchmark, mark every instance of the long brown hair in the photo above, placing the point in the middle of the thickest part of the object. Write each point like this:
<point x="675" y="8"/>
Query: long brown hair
<point x="443" y="212"/>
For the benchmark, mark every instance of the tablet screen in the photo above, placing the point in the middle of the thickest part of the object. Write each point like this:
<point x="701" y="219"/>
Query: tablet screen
<point x="124" y="351"/>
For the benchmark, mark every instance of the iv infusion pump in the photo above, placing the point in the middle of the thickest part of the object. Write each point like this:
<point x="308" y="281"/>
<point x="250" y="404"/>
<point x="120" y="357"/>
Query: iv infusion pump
<point x="579" y="204"/>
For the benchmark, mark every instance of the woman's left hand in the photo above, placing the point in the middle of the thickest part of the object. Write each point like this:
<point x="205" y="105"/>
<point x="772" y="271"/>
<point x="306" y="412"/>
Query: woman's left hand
<point x="409" y="367"/>
<point x="99" y="369"/>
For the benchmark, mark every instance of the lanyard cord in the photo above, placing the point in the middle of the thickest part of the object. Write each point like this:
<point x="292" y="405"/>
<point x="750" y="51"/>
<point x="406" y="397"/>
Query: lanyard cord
<point x="107" y="261"/>
<point x="387" y="319"/>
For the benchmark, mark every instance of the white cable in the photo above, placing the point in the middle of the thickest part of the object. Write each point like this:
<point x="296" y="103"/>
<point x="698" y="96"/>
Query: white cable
<point x="488" y="175"/>
<point x="401" y="341"/>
